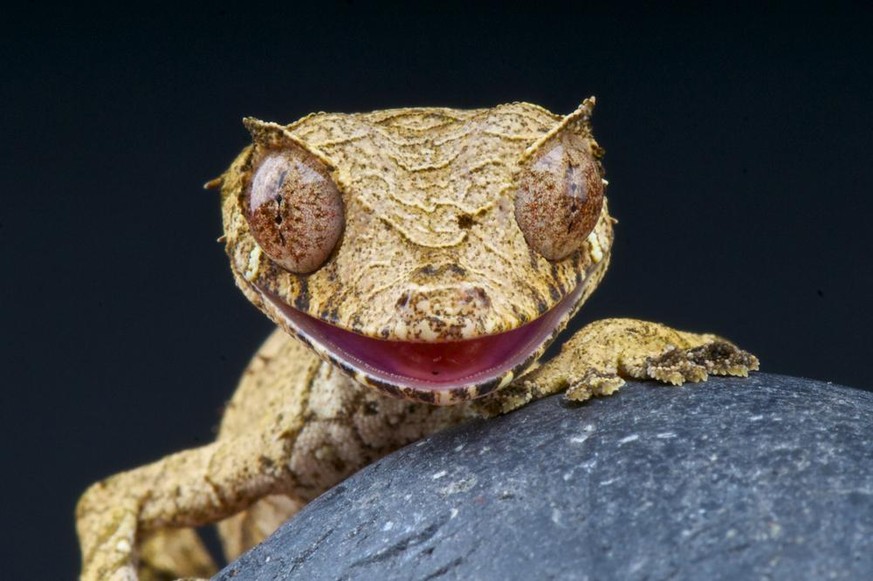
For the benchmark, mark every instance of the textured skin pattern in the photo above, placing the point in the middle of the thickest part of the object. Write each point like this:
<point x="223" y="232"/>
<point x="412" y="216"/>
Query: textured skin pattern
<point x="430" y="219"/>
<point x="345" y="427"/>
<point x="429" y="204"/>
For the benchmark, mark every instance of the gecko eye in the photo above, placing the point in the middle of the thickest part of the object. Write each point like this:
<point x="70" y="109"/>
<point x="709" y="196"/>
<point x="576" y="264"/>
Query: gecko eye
<point x="294" y="209"/>
<point x="559" y="197"/>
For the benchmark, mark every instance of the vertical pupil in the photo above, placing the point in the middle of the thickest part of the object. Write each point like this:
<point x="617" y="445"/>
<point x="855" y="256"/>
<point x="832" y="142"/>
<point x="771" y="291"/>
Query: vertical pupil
<point x="559" y="199"/>
<point x="574" y="184"/>
<point x="268" y="182"/>
<point x="295" y="211"/>
<point x="278" y="198"/>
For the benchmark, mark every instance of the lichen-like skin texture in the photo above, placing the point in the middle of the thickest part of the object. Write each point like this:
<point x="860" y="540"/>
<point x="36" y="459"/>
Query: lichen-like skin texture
<point x="427" y="259"/>
<point x="429" y="197"/>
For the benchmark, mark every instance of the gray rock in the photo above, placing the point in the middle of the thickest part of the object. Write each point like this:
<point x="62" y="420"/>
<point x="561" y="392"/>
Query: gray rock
<point x="767" y="477"/>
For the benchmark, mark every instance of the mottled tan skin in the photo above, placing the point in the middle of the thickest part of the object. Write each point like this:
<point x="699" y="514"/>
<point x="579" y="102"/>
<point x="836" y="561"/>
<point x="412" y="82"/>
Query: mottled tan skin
<point x="428" y="197"/>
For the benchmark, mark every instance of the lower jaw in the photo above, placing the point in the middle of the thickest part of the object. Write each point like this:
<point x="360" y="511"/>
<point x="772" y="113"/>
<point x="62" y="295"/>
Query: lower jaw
<point x="430" y="369"/>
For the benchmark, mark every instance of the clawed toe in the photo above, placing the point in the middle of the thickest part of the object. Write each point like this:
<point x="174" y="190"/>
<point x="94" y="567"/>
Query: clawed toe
<point x="677" y="366"/>
<point x="593" y="383"/>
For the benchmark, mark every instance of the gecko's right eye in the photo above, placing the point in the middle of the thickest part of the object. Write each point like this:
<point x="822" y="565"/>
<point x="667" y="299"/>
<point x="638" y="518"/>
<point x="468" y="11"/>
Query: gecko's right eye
<point x="294" y="209"/>
<point x="559" y="197"/>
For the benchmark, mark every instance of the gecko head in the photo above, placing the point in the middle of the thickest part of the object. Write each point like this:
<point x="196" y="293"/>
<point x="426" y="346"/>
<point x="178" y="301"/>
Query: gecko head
<point x="430" y="253"/>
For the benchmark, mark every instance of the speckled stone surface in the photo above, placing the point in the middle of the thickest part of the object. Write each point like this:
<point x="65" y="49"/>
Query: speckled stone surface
<point x="769" y="477"/>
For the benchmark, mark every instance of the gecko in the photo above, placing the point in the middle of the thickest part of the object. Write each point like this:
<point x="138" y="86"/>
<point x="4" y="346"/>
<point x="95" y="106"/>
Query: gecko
<point x="417" y="263"/>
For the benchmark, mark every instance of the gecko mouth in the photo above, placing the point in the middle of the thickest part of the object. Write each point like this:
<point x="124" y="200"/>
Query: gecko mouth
<point x="436" y="366"/>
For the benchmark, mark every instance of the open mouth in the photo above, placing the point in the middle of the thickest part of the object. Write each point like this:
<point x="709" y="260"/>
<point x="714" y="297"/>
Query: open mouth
<point x="431" y="367"/>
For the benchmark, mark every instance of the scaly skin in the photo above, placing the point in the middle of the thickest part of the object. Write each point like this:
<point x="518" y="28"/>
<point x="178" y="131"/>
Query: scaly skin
<point x="430" y="251"/>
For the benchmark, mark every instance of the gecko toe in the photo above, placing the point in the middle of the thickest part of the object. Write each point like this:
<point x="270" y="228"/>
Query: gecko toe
<point x="593" y="383"/>
<point x="677" y="366"/>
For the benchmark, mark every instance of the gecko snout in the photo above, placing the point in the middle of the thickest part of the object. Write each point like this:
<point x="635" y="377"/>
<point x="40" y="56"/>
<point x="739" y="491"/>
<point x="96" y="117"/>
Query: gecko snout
<point x="443" y="312"/>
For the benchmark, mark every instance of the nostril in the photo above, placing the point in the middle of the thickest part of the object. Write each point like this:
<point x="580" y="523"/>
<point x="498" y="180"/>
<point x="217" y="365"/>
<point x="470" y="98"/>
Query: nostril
<point x="476" y="296"/>
<point x="447" y="272"/>
<point x="403" y="301"/>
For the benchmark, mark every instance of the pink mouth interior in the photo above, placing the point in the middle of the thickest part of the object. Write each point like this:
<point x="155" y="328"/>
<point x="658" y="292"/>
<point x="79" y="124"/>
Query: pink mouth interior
<point x="435" y="366"/>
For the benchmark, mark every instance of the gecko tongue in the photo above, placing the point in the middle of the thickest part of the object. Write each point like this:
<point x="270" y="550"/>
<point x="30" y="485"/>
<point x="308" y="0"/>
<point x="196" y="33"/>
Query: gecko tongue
<point x="436" y="366"/>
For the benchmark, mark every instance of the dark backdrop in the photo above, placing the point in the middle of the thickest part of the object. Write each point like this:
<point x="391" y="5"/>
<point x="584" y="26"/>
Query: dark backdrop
<point x="738" y="152"/>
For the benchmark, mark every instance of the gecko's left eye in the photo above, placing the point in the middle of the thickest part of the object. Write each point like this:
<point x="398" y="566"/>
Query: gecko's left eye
<point x="294" y="209"/>
<point x="559" y="197"/>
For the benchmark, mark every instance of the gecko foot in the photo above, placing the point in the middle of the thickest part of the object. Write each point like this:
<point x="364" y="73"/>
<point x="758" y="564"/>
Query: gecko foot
<point x="677" y="366"/>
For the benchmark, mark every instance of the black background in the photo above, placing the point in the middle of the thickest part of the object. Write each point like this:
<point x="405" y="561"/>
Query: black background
<point x="738" y="152"/>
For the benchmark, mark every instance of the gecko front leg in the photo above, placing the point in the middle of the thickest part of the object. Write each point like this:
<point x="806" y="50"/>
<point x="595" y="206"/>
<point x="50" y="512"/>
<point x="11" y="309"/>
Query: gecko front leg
<point x="598" y="359"/>
<point x="188" y="489"/>
<point x="295" y="427"/>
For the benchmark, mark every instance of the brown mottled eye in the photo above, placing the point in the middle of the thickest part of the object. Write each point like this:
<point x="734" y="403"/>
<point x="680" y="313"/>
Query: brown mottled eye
<point x="294" y="209"/>
<point x="559" y="197"/>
